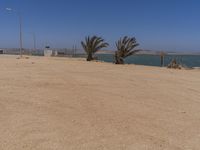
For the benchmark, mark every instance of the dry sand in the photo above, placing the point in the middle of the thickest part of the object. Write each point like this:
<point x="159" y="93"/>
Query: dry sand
<point x="70" y="104"/>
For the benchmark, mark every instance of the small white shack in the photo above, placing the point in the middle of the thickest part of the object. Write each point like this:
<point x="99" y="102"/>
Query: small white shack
<point x="48" y="52"/>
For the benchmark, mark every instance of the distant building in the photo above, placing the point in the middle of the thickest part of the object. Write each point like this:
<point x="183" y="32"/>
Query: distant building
<point x="48" y="52"/>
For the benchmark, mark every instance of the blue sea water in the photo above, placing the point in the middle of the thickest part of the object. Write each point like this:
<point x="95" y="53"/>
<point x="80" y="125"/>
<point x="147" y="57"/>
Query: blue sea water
<point x="154" y="60"/>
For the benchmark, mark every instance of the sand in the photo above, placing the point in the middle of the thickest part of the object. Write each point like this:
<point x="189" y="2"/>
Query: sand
<point x="71" y="104"/>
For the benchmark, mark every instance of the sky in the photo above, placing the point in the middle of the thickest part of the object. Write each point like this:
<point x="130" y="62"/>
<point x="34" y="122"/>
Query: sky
<point x="169" y="25"/>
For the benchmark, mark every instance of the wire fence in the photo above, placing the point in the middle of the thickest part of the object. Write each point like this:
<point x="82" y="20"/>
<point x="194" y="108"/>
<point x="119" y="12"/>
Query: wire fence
<point x="61" y="52"/>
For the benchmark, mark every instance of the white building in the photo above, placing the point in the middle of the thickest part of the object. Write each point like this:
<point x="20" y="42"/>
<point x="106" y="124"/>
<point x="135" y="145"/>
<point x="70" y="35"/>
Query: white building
<point x="48" y="52"/>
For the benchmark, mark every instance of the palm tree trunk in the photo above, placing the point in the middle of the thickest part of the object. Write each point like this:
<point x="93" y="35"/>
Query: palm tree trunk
<point x="89" y="57"/>
<point x="118" y="59"/>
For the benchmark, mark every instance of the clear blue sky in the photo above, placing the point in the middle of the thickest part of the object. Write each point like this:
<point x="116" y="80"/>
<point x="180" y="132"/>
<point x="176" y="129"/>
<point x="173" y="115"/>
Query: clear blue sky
<point x="157" y="24"/>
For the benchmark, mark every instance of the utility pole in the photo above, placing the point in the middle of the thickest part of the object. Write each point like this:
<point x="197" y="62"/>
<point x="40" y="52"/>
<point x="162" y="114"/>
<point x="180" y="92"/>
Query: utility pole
<point x="34" y="41"/>
<point x="20" y="29"/>
<point x="162" y="57"/>
<point x="20" y="26"/>
<point x="75" y="51"/>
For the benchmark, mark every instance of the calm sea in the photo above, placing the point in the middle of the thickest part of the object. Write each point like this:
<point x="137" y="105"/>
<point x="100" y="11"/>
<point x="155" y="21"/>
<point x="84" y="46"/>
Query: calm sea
<point x="154" y="60"/>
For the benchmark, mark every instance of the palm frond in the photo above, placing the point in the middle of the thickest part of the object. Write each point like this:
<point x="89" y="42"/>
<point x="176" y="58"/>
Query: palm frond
<point x="125" y="47"/>
<point x="92" y="45"/>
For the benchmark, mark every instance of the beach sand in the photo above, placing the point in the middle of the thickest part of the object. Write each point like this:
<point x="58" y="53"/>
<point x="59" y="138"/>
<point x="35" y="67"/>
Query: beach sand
<point x="71" y="104"/>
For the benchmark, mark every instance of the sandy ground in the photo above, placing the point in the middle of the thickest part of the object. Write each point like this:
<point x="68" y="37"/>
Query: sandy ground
<point x="69" y="104"/>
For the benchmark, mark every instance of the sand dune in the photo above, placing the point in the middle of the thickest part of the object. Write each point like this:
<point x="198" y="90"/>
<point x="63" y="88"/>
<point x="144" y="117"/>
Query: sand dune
<point x="71" y="104"/>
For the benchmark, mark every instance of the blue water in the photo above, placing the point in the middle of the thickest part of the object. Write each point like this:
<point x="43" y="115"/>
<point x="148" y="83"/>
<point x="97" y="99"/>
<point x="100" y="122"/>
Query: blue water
<point x="154" y="60"/>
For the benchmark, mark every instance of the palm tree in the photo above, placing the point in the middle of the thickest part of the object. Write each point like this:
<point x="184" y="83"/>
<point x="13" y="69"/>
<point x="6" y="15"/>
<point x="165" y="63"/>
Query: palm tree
<point x="92" y="45"/>
<point x="125" y="48"/>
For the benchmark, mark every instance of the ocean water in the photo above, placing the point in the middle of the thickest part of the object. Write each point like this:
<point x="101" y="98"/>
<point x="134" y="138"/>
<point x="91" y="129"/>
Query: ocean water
<point x="154" y="60"/>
